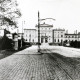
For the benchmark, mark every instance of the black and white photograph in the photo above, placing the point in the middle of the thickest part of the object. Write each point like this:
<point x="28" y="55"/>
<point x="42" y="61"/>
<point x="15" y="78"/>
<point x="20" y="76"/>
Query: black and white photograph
<point x="39" y="39"/>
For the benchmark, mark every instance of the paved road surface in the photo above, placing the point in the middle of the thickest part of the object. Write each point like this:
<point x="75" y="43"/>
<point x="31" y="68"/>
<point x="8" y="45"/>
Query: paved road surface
<point x="29" y="65"/>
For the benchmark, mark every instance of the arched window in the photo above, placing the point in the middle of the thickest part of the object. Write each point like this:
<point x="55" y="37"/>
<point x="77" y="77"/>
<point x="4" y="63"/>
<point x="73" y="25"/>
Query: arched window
<point x="55" y="40"/>
<point x="61" y="40"/>
<point x="58" y="40"/>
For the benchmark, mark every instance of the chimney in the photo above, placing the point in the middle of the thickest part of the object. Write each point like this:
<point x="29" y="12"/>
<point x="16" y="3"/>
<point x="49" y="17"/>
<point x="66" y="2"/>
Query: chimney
<point x="66" y="31"/>
<point x="76" y="31"/>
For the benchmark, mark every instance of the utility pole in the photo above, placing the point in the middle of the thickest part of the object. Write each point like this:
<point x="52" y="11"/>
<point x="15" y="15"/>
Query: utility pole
<point x="22" y="35"/>
<point x="38" y="32"/>
<point x="39" y="29"/>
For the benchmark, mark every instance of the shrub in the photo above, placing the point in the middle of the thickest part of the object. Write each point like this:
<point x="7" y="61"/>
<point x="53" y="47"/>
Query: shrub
<point x="6" y="43"/>
<point x="24" y="44"/>
<point x="75" y="44"/>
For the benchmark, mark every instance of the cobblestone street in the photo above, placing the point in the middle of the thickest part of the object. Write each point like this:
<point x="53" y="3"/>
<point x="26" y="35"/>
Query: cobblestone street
<point x="45" y="66"/>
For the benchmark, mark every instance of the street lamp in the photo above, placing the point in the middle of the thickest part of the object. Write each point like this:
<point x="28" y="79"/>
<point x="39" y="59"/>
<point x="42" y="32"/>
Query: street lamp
<point x="39" y="29"/>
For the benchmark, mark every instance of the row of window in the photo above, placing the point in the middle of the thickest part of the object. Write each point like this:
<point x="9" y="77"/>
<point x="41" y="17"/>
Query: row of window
<point x="58" y="32"/>
<point x="30" y="40"/>
<point x="58" y="40"/>
<point x="71" y="36"/>
<point x="59" y="36"/>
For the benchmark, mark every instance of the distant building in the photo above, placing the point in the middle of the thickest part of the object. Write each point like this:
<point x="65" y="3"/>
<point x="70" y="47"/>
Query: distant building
<point x="30" y="35"/>
<point x="49" y="35"/>
<point x="58" y="35"/>
<point x="72" y="37"/>
<point x="45" y="33"/>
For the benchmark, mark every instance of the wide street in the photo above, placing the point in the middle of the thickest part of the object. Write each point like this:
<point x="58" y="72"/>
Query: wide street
<point x="54" y="63"/>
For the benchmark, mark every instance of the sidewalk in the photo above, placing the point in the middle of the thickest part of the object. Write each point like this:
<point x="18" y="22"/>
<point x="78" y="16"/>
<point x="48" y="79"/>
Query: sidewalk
<point x="31" y="50"/>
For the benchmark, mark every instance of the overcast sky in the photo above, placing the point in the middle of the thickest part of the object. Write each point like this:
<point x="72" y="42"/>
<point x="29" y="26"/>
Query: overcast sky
<point x="66" y="13"/>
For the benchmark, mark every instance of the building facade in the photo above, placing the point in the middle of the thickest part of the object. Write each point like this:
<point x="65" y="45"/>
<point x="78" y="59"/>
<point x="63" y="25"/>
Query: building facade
<point x="49" y="35"/>
<point x="31" y="35"/>
<point x="45" y="33"/>
<point x="58" y="35"/>
<point x="72" y="37"/>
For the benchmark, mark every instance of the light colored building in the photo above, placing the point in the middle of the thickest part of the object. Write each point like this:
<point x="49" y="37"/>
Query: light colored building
<point x="49" y="35"/>
<point x="58" y="35"/>
<point x="30" y="35"/>
<point x="45" y="33"/>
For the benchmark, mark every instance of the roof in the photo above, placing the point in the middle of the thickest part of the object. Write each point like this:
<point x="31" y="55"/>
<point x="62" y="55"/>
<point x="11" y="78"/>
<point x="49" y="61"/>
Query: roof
<point x="29" y="29"/>
<point x="44" y="25"/>
<point x="58" y="29"/>
<point x="71" y="34"/>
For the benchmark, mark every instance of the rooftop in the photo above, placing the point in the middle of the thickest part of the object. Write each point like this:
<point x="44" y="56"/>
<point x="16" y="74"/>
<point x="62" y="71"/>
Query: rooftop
<point x="71" y="34"/>
<point x="58" y="29"/>
<point x="29" y="29"/>
<point x="45" y="25"/>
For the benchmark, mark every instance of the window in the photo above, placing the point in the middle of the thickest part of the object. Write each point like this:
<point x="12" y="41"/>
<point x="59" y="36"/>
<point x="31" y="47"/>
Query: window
<point x="33" y="40"/>
<point x="30" y="35"/>
<point x="55" y="40"/>
<point x="72" y="36"/>
<point x="61" y="35"/>
<point x="58" y="40"/>
<point x="29" y="40"/>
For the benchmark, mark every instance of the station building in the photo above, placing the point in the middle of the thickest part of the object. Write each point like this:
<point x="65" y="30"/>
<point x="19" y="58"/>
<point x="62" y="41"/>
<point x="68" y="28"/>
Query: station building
<point x="58" y="35"/>
<point x="31" y="35"/>
<point x="72" y="37"/>
<point x="49" y="35"/>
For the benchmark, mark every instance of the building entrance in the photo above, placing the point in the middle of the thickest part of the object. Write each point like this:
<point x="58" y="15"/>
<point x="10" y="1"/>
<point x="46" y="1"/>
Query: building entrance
<point x="44" y="39"/>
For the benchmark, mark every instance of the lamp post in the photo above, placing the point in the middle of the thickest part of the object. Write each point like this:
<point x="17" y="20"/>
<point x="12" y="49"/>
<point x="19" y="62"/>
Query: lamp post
<point x="38" y="33"/>
<point x="22" y="34"/>
<point x="39" y="29"/>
